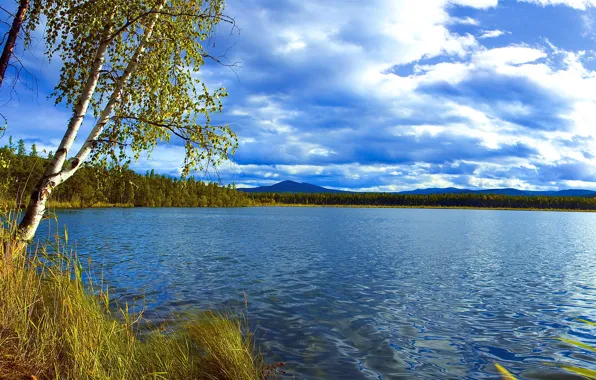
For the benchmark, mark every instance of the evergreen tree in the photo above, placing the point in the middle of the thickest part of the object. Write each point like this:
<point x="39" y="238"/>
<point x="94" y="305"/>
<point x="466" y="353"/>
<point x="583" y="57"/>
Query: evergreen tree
<point x="21" y="151"/>
<point x="98" y="183"/>
<point x="433" y="200"/>
<point x="33" y="152"/>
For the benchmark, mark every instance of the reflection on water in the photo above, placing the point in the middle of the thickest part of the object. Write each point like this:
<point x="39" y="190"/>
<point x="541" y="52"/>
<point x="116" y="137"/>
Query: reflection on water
<point x="365" y="293"/>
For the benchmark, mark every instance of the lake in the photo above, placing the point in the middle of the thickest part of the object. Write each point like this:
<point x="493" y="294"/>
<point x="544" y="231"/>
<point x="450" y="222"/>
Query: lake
<point x="349" y="293"/>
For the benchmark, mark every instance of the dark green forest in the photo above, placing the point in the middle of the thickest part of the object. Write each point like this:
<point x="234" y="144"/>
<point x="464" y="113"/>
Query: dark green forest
<point x="100" y="185"/>
<point x="434" y="200"/>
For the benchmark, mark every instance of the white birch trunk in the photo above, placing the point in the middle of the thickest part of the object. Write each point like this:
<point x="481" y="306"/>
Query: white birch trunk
<point x="43" y="189"/>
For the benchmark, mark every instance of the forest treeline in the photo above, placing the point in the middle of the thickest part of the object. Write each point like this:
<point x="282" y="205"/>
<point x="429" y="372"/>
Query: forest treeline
<point x="433" y="200"/>
<point x="97" y="185"/>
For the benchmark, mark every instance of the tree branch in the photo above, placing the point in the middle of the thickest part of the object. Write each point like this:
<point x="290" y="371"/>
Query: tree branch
<point x="130" y="22"/>
<point x="5" y="10"/>
<point x="224" y="18"/>
<point x="109" y="141"/>
<point x="126" y="25"/>
<point x="170" y="127"/>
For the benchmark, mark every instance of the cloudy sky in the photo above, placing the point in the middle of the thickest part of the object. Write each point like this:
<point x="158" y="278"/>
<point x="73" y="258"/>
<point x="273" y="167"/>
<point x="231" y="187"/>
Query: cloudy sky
<point x="389" y="95"/>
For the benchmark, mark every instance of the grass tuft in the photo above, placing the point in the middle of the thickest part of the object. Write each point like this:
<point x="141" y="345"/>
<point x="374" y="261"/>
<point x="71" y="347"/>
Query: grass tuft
<point x="54" y="326"/>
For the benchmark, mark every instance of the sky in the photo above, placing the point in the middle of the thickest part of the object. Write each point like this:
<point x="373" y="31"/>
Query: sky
<point x="384" y="95"/>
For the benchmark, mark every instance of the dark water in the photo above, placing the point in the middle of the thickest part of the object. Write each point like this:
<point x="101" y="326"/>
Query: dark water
<point x="365" y="293"/>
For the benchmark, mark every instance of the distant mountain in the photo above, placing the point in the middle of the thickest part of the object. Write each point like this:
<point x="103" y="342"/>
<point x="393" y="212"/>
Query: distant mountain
<point x="437" y="190"/>
<point x="290" y="187"/>
<point x="571" y="193"/>
<point x="298" y="187"/>
<point x="511" y="192"/>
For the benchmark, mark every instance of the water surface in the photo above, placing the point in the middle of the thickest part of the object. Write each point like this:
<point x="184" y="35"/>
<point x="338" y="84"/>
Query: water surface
<point x="364" y="293"/>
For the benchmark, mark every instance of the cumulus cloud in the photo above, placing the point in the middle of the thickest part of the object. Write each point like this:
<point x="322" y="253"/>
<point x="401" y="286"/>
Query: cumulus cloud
<point x="463" y="21"/>
<point x="492" y="34"/>
<point x="508" y="55"/>
<point x="466" y="115"/>
<point x="577" y="4"/>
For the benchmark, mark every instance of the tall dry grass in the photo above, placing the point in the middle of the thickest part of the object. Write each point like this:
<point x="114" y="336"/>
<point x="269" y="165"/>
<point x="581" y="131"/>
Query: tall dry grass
<point x="53" y="325"/>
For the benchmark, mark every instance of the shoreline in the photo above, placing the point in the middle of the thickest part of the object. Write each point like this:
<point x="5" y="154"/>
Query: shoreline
<point x="70" y="207"/>
<point x="432" y="207"/>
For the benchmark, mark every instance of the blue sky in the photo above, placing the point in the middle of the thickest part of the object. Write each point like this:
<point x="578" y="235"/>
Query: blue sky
<point x="388" y="95"/>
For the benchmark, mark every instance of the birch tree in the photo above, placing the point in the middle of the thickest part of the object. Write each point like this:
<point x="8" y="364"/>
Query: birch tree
<point x="130" y="67"/>
<point x="11" y="37"/>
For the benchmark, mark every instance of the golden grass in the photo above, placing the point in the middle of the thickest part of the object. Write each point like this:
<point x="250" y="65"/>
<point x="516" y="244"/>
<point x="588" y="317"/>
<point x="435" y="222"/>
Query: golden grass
<point x="53" y="326"/>
<point x="505" y="374"/>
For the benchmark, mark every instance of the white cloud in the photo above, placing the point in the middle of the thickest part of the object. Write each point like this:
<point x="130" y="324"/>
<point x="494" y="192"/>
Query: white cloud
<point x="508" y="55"/>
<point x="577" y="4"/>
<point x="482" y="4"/>
<point x="320" y="152"/>
<point x="463" y="21"/>
<point x="293" y="41"/>
<point x="347" y="55"/>
<point x="492" y="34"/>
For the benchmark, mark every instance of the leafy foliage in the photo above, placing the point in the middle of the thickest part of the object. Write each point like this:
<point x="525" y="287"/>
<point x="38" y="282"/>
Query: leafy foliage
<point x="134" y="64"/>
<point x="152" y="77"/>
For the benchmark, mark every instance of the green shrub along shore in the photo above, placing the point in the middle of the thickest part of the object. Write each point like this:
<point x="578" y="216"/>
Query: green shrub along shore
<point x="53" y="326"/>
<point x="112" y="186"/>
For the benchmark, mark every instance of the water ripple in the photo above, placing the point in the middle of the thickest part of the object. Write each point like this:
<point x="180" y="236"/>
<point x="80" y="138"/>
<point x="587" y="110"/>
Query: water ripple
<point x="364" y="293"/>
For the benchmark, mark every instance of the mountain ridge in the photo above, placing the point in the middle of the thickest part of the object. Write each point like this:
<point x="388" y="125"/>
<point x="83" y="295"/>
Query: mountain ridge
<point x="291" y="187"/>
<point x="303" y="187"/>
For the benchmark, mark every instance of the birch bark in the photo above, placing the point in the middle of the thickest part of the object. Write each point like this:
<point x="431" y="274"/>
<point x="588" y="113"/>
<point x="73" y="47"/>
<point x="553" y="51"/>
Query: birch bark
<point x="51" y="177"/>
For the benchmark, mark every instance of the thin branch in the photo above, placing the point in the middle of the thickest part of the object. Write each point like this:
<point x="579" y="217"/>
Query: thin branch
<point x="113" y="142"/>
<point x="4" y="37"/>
<point x="18" y="68"/>
<point x="170" y="127"/>
<point x="224" y="18"/>
<point x="231" y="66"/>
<point x="126" y="25"/>
<point x="111" y="73"/>
<point x="5" y="10"/>
<point x="218" y="59"/>
<point x="130" y="22"/>
<point x="16" y="57"/>
<point x="3" y="127"/>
